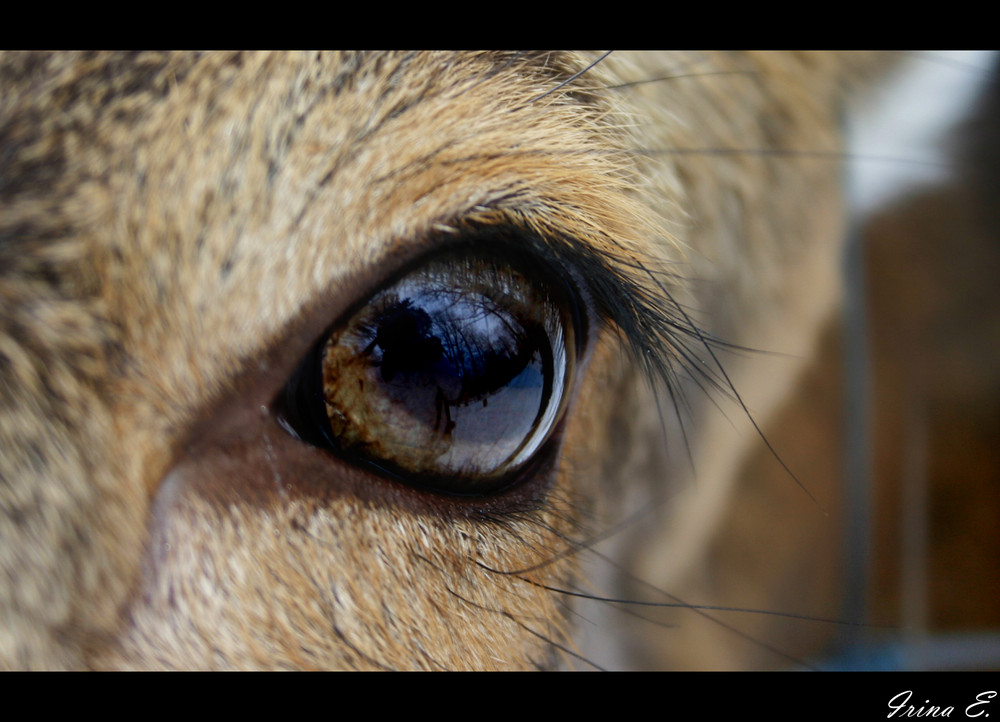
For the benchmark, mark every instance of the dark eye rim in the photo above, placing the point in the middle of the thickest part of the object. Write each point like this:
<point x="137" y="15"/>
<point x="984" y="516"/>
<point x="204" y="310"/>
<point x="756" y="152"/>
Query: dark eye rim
<point x="524" y="251"/>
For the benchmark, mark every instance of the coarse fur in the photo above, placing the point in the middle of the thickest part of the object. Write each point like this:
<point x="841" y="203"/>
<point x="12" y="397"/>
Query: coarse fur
<point x="178" y="230"/>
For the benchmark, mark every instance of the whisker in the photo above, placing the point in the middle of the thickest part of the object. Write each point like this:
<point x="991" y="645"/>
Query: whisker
<point x="570" y="79"/>
<point x="706" y="607"/>
<point x="624" y="604"/>
<point x="831" y="155"/>
<point x="628" y="611"/>
<point x="679" y="76"/>
<point x="940" y="59"/>
<point x="561" y="647"/>
<point x="701" y="610"/>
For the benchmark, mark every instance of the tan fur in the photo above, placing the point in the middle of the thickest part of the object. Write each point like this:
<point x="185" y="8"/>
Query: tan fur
<point x="176" y="231"/>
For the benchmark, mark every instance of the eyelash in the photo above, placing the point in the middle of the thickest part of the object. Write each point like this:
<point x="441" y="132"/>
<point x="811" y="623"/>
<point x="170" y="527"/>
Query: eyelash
<point x="413" y="381"/>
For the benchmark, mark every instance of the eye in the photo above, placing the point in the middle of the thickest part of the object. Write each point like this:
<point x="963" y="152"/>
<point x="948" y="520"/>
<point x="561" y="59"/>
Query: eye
<point x="452" y="377"/>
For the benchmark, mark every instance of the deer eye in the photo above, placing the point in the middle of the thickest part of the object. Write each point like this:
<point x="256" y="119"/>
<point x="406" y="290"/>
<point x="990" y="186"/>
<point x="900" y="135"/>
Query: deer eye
<point x="452" y="377"/>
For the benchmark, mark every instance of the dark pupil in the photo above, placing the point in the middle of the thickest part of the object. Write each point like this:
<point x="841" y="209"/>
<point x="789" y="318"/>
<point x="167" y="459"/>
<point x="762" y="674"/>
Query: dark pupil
<point x="404" y="335"/>
<point x="462" y="346"/>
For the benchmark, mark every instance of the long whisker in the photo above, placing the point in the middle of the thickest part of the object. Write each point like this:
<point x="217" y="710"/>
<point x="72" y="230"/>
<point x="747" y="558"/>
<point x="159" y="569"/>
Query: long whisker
<point x="832" y="155"/>
<point x="570" y="79"/>
<point x="679" y="76"/>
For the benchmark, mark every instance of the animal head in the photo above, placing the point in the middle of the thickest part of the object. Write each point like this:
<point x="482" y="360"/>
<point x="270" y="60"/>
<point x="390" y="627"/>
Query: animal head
<point x="344" y="360"/>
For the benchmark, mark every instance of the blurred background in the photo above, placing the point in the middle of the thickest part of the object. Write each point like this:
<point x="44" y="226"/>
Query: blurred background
<point x="895" y="428"/>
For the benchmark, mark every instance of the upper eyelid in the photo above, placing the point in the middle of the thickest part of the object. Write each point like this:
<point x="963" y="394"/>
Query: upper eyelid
<point x="576" y="264"/>
<point x="611" y="284"/>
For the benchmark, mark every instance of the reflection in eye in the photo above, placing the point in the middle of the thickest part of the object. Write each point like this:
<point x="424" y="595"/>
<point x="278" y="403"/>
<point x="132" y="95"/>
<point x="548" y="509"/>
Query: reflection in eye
<point x="452" y="377"/>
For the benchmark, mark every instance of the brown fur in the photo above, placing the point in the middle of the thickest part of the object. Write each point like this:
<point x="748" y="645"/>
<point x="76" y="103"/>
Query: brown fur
<point x="177" y="230"/>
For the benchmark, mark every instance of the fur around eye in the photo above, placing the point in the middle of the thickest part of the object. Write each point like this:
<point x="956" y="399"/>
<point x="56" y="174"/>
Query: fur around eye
<point x="452" y="377"/>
